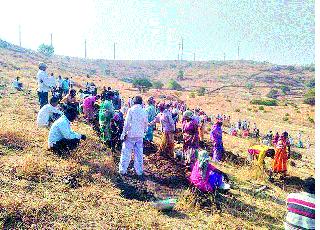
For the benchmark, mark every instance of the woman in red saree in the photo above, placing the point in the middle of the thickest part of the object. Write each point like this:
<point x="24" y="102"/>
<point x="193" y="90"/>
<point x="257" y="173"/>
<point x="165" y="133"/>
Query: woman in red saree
<point x="282" y="155"/>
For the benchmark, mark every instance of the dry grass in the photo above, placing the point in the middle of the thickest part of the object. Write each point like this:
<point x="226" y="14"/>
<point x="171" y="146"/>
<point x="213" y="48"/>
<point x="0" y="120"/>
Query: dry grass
<point x="34" y="193"/>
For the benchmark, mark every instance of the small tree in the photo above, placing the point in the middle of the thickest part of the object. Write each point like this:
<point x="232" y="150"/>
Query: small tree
<point x="273" y="94"/>
<point x="143" y="84"/>
<point x="285" y="89"/>
<point x="172" y="84"/>
<point x="311" y="83"/>
<point x="180" y="75"/>
<point x="201" y="91"/>
<point x="309" y="97"/>
<point x="46" y="50"/>
<point x="249" y="85"/>
<point x="157" y="85"/>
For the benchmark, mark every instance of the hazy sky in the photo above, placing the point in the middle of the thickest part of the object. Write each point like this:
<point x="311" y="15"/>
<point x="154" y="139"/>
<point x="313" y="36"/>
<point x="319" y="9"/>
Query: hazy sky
<point x="281" y="32"/>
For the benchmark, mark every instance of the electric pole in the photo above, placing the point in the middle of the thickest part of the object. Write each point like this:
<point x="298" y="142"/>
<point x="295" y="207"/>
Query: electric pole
<point x="181" y="48"/>
<point x="114" y="51"/>
<point x="51" y="38"/>
<point x="238" y="52"/>
<point x="194" y="56"/>
<point x="20" y="35"/>
<point x="85" y="48"/>
<point x="224" y="56"/>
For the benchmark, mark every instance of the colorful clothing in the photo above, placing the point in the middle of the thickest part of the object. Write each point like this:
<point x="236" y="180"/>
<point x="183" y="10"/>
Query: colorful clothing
<point x="88" y="107"/>
<point x="190" y="139"/>
<point x="216" y="138"/>
<point x="258" y="153"/>
<point x="281" y="156"/>
<point x="106" y="113"/>
<point x="151" y="111"/>
<point x="301" y="211"/>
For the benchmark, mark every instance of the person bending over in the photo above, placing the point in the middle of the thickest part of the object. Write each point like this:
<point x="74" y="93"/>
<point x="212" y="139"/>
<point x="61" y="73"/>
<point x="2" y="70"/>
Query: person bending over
<point x="49" y="113"/>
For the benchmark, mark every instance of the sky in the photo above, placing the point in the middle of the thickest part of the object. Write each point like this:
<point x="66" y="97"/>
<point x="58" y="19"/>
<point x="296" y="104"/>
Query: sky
<point x="280" y="32"/>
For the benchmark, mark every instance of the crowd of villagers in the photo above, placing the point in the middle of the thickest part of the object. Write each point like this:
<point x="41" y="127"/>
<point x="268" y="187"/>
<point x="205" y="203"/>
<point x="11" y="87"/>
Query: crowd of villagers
<point x="127" y="126"/>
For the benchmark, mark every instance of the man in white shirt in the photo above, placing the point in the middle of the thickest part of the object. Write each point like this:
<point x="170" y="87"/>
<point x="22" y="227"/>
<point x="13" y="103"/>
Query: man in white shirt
<point x="17" y="84"/>
<point x="49" y="113"/>
<point x="43" y="84"/>
<point x="135" y="127"/>
<point x="61" y="138"/>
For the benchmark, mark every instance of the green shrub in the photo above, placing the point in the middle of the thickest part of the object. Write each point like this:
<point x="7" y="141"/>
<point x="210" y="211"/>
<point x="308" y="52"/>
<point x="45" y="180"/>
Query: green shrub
<point x="249" y="85"/>
<point x="285" y="118"/>
<point x="311" y="84"/>
<point x="201" y="91"/>
<point x="285" y="89"/>
<point x="237" y="110"/>
<point x="311" y="120"/>
<point x="46" y="50"/>
<point x="142" y="84"/>
<point x="192" y="95"/>
<point x="298" y="111"/>
<point x="261" y="107"/>
<point x="309" y="97"/>
<point x="180" y="75"/>
<point x="287" y="114"/>
<point x="273" y="93"/>
<point x="249" y="109"/>
<point x="172" y="84"/>
<point x="157" y="84"/>
<point x="266" y="102"/>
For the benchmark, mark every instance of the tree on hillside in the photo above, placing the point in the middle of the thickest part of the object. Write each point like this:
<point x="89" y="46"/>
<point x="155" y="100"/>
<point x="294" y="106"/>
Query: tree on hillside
<point x="180" y="75"/>
<point x="273" y="93"/>
<point x="201" y="91"/>
<point x="157" y="84"/>
<point x="143" y="84"/>
<point x="309" y="97"/>
<point x="172" y="84"/>
<point x="249" y="85"/>
<point x="311" y="83"/>
<point x="285" y="89"/>
<point x="46" y="50"/>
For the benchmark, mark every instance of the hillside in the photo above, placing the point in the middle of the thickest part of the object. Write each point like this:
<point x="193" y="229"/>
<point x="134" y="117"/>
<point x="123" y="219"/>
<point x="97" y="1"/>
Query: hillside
<point x="36" y="191"/>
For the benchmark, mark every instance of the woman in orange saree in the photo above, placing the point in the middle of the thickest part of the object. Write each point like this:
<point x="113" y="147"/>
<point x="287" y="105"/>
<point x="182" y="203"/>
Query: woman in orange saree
<point x="282" y="154"/>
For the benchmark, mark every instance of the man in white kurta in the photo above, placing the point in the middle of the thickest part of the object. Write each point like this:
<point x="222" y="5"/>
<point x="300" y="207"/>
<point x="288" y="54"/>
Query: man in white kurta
<point x="48" y="113"/>
<point x="135" y="127"/>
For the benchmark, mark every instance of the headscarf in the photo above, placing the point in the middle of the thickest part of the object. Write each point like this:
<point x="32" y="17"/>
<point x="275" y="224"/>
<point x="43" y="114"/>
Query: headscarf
<point x="203" y="158"/>
<point x="151" y="100"/>
<point x="188" y="114"/>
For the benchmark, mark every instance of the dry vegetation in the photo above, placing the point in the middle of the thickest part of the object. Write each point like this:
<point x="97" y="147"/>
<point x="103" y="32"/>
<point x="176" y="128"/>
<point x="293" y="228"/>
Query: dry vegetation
<point x="40" y="190"/>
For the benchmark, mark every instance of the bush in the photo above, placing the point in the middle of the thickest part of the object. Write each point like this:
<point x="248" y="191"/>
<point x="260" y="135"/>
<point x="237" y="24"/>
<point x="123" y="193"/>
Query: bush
<point x="201" y="91"/>
<point x="249" y="109"/>
<point x="192" y="95"/>
<point x="142" y="84"/>
<point x="46" y="50"/>
<point x="273" y="94"/>
<point x="309" y="97"/>
<point x="285" y="118"/>
<point x="311" y="83"/>
<point x="266" y="102"/>
<point x="287" y="114"/>
<point x="180" y="75"/>
<point x="157" y="85"/>
<point x="237" y="110"/>
<point x="291" y="68"/>
<point x="311" y="120"/>
<point x="172" y="84"/>
<point x="249" y="86"/>
<point x="285" y="89"/>
<point x="261" y="107"/>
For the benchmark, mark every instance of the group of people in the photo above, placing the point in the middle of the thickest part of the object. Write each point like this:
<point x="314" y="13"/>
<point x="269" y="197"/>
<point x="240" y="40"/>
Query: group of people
<point x="127" y="126"/>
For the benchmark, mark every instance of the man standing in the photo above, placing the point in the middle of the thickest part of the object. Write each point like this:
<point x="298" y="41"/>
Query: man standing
<point x="43" y="84"/>
<point x="135" y="127"/>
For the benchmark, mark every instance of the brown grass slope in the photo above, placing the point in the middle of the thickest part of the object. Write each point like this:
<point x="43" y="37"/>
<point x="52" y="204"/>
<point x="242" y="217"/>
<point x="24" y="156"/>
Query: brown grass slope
<point x="41" y="190"/>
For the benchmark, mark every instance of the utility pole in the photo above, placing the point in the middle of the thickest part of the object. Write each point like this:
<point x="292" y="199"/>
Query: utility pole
<point x="224" y="56"/>
<point x="194" y="56"/>
<point x="85" y="48"/>
<point x="179" y="52"/>
<point x="51" y="38"/>
<point x="114" y="51"/>
<point x="181" y="48"/>
<point x="238" y="52"/>
<point x="20" y="35"/>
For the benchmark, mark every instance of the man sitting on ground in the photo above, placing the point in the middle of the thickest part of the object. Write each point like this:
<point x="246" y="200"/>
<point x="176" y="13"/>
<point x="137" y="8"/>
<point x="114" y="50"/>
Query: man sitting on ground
<point x="17" y="84"/>
<point x="61" y="137"/>
<point x="49" y="113"/>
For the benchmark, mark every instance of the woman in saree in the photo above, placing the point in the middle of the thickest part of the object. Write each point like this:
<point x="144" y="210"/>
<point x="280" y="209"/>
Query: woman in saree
<point x="152" y="113"/>
<point x="216" y="138"/>
<point x="106" y="113"/>
<point x="282" y="154"/>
